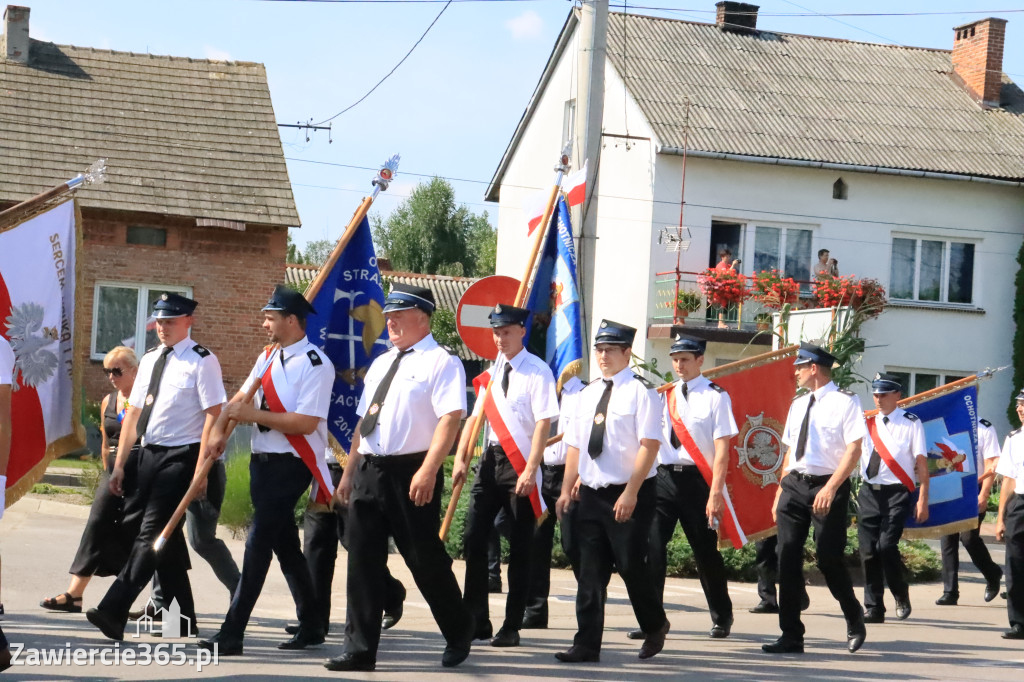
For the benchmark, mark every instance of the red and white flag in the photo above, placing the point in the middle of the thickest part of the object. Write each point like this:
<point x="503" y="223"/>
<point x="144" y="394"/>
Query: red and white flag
<point x="575" y="186"/>
<point x="37" y="317"/>
<point x="533" y="208"/>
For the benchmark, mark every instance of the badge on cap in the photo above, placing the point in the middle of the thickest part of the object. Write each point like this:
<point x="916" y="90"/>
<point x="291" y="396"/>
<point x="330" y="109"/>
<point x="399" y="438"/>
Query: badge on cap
<point x="163" y="297"/>
<point x="497" y="309"/>
<point x="603" y="324"/>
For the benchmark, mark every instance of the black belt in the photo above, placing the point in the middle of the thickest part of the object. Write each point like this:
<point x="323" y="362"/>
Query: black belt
<point x="397" y="461"/>
<point x="157" y="449"/>
<point x="820" y="479"/>
<point x="677" y="467"/>
<point x="886" y="486"/>
<point x="553" y="467"/>
<point x="334" y="466"/>
<point x="270" y="456"/>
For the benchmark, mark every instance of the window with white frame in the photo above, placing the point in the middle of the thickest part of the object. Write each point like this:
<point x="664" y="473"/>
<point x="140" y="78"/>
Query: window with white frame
<point x="121" y="316"/>
<point x="568" y="121"/>
<point x="787" y="249"/>
<point x="915" y="381"/>
<point x="932" y="270"/>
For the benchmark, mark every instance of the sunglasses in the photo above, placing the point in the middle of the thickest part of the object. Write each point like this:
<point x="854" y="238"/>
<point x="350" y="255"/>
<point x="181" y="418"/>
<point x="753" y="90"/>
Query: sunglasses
<point x="114" y="371"/>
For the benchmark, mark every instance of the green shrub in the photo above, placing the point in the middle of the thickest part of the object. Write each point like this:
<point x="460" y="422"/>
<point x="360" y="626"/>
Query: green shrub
<point x="236" y="512"/>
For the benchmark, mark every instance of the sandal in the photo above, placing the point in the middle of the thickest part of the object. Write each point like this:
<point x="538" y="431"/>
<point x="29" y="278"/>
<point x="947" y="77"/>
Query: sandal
<point x="69" y="605"/>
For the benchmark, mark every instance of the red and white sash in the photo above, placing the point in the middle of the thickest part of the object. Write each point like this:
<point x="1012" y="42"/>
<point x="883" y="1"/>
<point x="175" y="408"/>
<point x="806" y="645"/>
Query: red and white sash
<point x="730" y="524"/>
<point x="882" y="440"/>
<point x="281" y="397"/>
<point x="514" y="440"/>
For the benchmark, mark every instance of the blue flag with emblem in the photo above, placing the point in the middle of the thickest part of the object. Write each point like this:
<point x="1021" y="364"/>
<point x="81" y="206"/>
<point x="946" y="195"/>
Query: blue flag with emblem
<point x="349" y="326"/>
<point x="951" y="433"/>
<point x="554" y="328"/>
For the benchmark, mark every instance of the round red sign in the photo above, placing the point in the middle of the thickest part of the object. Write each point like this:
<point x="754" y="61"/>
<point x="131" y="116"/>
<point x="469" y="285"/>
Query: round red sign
<point x="474" y="307"/>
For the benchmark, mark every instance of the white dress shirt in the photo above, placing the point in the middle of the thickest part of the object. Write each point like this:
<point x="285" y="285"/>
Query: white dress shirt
<point x="908" y="433"/>
<point x="1011" y="461"/>
<point x="429" y="384"/>
<point x="836" y="420"/>
<point x="707" y="413"/>
<point x="554" y="455"/>
<point x="634" y="413"/>
<point x="531" y="392"/>
<point x="988" y="444"/>
<point x="308" y="383"/>
<point x="191" y="384"/>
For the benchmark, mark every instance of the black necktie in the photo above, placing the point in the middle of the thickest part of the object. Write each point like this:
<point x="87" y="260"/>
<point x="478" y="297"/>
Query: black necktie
<point x="801" y="441"/>
<point x="370" y="420"/>
<point x="675" y="439"/>
<point x="596" y="444"/>
<point x="154" y="390"/>
<point x="504" y="379"/>
<point x="876" y="459"/>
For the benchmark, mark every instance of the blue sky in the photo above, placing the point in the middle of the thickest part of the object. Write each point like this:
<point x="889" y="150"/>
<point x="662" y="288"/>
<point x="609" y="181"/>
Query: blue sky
<point x="452" y="107"/>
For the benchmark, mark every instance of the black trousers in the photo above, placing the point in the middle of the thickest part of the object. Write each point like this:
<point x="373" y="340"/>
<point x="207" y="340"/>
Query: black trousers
<point x="1015" y="559"/>
<point x="379" y="506"/>
<point x="795" y="519"/>
<point x="276" y="482"/>
<point x="322" y="531"/>
<point x="494" y="490"/>
<point x="683" y="496"/>
<point x="766" y="562"/>
<point x="105" y="544"/>
<point x="543" y="540"/>
<point x="606" y="544"/>
<point x="976" y="549"/>
<point x="883" y="515"/>
<point x="164" y="474"/>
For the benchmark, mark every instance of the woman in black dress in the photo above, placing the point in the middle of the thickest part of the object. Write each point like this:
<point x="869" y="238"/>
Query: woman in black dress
<point x="103" y="550"/>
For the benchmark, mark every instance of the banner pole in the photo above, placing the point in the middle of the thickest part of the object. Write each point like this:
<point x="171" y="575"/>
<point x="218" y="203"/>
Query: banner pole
<point x="95" y="174"/>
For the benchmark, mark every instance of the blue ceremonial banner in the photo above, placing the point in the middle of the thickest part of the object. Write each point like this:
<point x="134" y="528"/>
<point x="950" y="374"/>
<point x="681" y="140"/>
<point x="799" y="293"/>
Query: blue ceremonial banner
<point x="349" y="326"/>
<point x="554" y="328"/>
<point x="951" y="434"/>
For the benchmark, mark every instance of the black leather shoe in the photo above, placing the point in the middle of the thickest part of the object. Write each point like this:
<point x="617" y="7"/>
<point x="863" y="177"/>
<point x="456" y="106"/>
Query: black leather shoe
<point x="150" y="611"/>
<point x="720" y="630"/>
<point x="303" y="639"/>
<point x="484" y="631"/>
<point x="494" y="585"/>
<point x="874" y="616"/>
<point x="458" y="650"/>
<point x="225" y="646"/>
<point x="108" y="625"/>
<point x="393" y="614"/>
<point x="903" y="609"/>
<point x="294" y="629"/>
<point x="654" y="643"/>
<point x="1016" y="632"/>
<point x="349" y="663"/>
<point x="765" y="607"/>
<point x="992" y="588"/>
<point x="535" y="621"/>
<point x="784" y="645"/>
<point x="855" y="637"/>
<point x="506" y="638"/>
<point x="577" y="654"/>
<point x="636" y="634"/>
<point x="948" y="599"/>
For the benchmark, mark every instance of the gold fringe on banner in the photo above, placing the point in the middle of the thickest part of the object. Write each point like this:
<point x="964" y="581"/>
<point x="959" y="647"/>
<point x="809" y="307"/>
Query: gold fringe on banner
<point x="940" y="531"/>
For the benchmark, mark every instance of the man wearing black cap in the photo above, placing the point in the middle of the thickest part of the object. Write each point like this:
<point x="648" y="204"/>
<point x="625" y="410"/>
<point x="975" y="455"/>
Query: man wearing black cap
<point x="823" y="433"/>
<point x="519" y="410"/>
<point x="1010" y="524"/>
<point x="692" y="463"/>
<point x="413" y="400"/>
<point x="612" y="450"/>
<point x="894" y="455"/>
<point x="177" y="396"/>
<point x="295" y="380"/>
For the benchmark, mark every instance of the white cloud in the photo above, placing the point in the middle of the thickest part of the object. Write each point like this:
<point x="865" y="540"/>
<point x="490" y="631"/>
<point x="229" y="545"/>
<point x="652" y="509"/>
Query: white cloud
<point x="215" y="54"/>
<point x="527" y="26"/>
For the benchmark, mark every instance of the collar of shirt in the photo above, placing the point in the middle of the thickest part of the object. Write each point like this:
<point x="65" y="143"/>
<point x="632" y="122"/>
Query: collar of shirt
<point x="893" y="416"/>
<point x="517" y="360"/>
<point x="183" y="345"/>
<point x="696" y="383"/>
<point x="424" y="344"/>
<point x="297" y="348"/>
<point x="824" y="390"/>
<point x="619" y="378"/>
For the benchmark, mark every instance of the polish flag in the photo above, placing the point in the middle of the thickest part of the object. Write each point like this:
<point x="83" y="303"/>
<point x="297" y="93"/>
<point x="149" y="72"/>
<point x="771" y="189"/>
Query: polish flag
<point x="575" y="186"/>
<point x="533" y="207"/>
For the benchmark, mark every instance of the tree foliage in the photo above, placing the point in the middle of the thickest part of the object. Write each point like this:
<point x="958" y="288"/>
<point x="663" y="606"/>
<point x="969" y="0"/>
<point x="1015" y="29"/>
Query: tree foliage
<point x="317" y="252"/>
<point x="429" y="233"/>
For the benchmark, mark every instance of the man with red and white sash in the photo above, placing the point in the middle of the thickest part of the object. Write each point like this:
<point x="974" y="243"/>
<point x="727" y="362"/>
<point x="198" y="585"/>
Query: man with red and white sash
<point x="893" y="463"/>
<point x="287" y="454"/>
<point x="519" y="409"/>
<point x="697" y="425"/>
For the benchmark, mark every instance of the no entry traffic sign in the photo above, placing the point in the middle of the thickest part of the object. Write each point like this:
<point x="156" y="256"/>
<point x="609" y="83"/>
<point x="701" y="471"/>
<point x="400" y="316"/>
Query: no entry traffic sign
<point x="474" y="307"/>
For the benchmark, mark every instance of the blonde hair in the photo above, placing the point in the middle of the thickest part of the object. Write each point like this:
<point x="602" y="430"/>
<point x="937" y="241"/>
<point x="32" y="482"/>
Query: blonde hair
<point x="121" y="352"/>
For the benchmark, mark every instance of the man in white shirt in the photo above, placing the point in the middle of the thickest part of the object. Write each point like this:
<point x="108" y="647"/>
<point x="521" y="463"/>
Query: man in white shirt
<point x="1010" y="524"/>
<point x="893" y="457"/>
<point x="824" y="430"/>
<point x="612" y="450"/>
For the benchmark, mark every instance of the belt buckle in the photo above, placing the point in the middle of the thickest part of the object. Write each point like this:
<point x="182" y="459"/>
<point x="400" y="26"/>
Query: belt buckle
<point x="876" y="487"/>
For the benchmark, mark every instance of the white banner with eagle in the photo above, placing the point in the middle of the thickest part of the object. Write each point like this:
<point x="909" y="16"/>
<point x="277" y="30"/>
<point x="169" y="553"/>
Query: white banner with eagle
<point x="37" y="317"/>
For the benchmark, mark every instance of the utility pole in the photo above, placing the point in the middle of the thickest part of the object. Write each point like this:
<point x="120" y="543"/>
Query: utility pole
<point x="593" y="51"/>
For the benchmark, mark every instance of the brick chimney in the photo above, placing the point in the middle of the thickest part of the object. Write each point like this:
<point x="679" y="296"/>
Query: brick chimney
<point x="978" y="58"/>
<point x="736" y="16"/>
<point x="14" y="42"/>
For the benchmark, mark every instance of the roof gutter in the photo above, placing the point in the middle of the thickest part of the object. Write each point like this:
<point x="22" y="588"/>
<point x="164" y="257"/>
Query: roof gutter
<point x="800" y="163"/>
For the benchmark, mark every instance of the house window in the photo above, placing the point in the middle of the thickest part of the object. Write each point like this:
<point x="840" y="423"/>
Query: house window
<point x="932" y="270"/>
<point x="918" y="382"/>
<point x="569" y="121"/>
<point x="146" y="236"/>
<point x="121" y="316"/>
<point x="839" y="189"/>
<point x="787" y="249"/>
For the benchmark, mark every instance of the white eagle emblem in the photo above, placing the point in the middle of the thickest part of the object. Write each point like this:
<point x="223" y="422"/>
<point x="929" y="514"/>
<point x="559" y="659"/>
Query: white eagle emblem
<point x="29" y="339"/>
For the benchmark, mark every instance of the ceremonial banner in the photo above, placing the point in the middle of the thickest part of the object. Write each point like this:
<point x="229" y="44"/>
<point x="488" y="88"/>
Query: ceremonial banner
<point x="349" y="326"/>
<point x="553" y="328"/>
<point x="951" y="433"/>
<point x="37" y="316"/>
<point x="761" y="391"/>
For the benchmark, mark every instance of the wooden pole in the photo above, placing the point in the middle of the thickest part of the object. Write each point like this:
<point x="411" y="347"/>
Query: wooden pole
<point x="933" y="393"/>
<point x="471" y="430"/>
<point x="94" y="175"/>
<point x="311" y="291"/>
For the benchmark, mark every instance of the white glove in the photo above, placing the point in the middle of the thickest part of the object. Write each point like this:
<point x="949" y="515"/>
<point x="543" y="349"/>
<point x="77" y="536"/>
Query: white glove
<point x="3" y="495"/>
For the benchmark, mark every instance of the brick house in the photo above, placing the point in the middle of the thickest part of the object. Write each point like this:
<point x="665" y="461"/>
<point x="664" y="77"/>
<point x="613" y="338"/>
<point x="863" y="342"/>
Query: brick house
<point x="197" y="198"/>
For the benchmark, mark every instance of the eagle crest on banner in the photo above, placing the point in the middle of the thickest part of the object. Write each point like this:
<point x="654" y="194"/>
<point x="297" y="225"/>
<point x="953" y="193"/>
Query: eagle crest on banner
<point x="760" y="450"/>
<point x="29" y="339"/>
